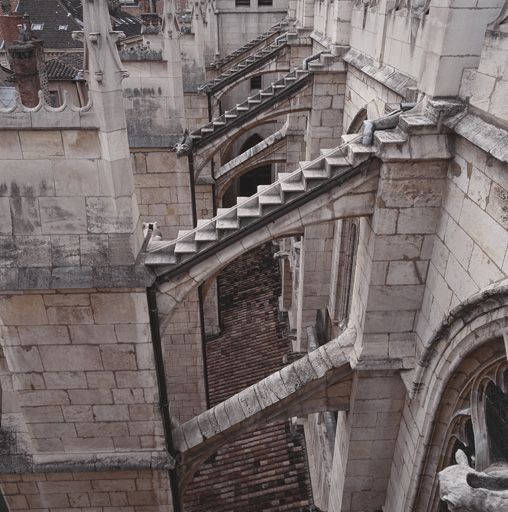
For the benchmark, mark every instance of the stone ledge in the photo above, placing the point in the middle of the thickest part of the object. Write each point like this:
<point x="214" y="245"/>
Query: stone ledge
<point x="46" y="278"/>
<point x="72" y="462"/>
<point x="483" y="134"/>
<point x="385" y="75"/>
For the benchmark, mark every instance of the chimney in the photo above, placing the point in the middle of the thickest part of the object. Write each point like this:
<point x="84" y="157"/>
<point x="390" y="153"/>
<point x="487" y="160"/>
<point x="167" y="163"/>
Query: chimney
<point x="26" y="58"/>
<point x="9" y="28"/>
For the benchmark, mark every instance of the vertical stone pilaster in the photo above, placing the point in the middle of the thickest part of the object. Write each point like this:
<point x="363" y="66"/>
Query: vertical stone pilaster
<point x="314" y="278"/>
<point x="172" y="56"/>
<point x="365" y="442"/>
<point x="324" y="126"/>
<point x="394" y="252"/>
<point x="105" y="84"/>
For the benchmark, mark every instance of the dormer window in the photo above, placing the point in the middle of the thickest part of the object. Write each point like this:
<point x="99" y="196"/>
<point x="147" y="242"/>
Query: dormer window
<point x="37" y="26"/>
<point x="63" y="27"/>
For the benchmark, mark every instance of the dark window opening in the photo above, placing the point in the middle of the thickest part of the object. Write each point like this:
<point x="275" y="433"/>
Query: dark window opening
<point x="265" y="3"/>
<point x="249" y="182"/>
<point x="242" y="3"/>
<point x="255" y="82"/>
<point x="54" y="99"/>
<point x="466" y="445"/>
<point x="250" y="143"/>
<point x="345" y="279"/>
<point x="496" y="414"/>
<point x="356" y="125"/>
<point x="247" y="185"/>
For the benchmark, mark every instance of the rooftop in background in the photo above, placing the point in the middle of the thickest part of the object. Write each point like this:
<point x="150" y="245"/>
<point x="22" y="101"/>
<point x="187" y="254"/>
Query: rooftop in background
<point x="66" y="67"/>
<point x="53" y="21"/>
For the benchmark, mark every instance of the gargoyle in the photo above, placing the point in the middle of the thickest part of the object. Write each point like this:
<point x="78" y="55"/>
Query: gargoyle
<point x="466" y="490"/>
<point x="185" y="146"/>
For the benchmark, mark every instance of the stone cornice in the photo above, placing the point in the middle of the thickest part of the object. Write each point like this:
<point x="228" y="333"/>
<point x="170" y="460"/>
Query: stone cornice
<point x="394" y="80"/>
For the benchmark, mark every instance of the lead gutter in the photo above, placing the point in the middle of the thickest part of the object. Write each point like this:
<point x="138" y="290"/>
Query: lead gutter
<point x="153" y="312"/>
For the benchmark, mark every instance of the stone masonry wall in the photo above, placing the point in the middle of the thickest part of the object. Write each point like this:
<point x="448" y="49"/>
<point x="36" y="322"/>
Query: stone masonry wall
<point x="82" y="366"/>
<point x="393" y="258"/>
<point x="315" y="264"/>
<point x="325" y="120"/>
<point x="432" y="47"/>
<point x="471" y="245"/>
<point x="486" y="86"/>
<point x="118" y="491"/>
<point x="59" y="217"/>
<point x="365" y="442"/>
<point x="364" y="92"/>
<point x="183" y="357"/>
<point x="196" y="110"/>
<point x="149" y="104"/>
<point x="163" y="190"/>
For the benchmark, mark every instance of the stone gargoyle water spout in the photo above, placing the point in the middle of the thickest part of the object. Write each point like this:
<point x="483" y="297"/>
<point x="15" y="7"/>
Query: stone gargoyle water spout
<point x="464" y="489"/>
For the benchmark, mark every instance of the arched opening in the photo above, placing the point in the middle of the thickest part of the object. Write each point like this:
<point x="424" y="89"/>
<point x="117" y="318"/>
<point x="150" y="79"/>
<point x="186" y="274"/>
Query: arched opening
<point x="357" y="122"/>
<point x="470" y="428"/>
<point x="246" y="185"/>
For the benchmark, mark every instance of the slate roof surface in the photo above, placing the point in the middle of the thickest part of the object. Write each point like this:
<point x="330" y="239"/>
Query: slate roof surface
<point x="60" y="13"/>
<point x="127" y="23"/>
<point x="53" y="15"/>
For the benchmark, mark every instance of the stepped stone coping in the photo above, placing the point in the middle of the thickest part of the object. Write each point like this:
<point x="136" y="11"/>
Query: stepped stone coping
<point x="261" y="401"/>
<point x="261" y="56"/>
<point x="290" y="82"/>
<point x="258" y="148"/>
<point x="269" y="190"/>
<point x="251" y="44"/>
<point x="246" y="104"/>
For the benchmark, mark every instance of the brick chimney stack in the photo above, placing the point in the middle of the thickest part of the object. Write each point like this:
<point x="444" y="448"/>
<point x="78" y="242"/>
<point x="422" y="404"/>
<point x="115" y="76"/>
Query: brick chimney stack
<point x="26" y="58"/>
<point x="9" y="21"/>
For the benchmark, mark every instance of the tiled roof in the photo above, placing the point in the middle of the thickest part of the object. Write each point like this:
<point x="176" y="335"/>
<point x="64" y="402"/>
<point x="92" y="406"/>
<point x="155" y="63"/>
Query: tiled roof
<point x="265" y="468"/>
<point x="65" y="67"/>
<point x="59" y="18"/>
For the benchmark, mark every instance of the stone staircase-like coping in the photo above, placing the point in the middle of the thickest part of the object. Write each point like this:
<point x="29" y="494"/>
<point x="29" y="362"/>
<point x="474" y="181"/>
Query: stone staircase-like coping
<point x="257" y="59"/>
<point x="320" y="380"/>
<point x="250" y="45"/>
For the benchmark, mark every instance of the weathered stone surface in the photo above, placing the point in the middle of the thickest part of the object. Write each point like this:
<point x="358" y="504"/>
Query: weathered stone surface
<point x="63" y="215"/>
<point x="459" y="495"/>
<point x="22" y="310"/>
<point x="119" y="308"/>
<point x="73" y="358"/>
